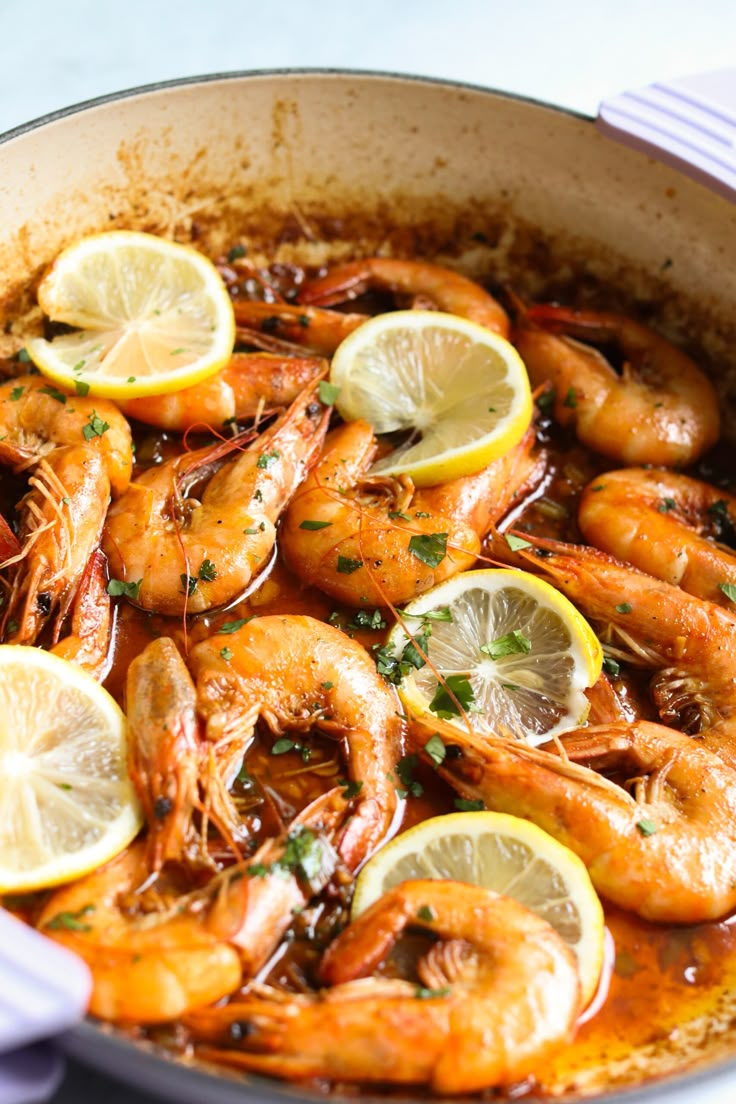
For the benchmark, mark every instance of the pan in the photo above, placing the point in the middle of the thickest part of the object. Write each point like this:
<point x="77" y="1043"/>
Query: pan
<point x="311" y="166"/>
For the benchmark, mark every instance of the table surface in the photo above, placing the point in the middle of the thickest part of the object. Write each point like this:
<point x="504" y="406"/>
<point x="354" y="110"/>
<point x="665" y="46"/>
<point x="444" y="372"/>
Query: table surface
<point x="573" y="53"/>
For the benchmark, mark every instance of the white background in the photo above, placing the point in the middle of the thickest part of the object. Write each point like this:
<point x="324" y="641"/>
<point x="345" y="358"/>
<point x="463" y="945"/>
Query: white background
<point x="54" y="53"/>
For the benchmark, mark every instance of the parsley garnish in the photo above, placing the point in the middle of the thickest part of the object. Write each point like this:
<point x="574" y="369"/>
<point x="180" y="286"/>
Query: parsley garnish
<point x="469" y="805"/>
<point x="267" y="459"/>
<point x="189" y="584"/>
<point x="421" y="993"/>
<point x="207" y="571"/>
<point x="81" y="388"/>
<point x="430" y="548"/>
<point x="729" y="589"/>
<point x="328" y="392"/>
<point x="54" y="393"/>
<point x="352" y="789"/>
<point x="425" y="912"/>
<point x="16" y="393"/>
<point x="435" y="749"/>
<point x="70" y="921"/>
<point x="367" y="619"/>
<point x="623" y="607"/>
<point x="611" y="667"/>
<point x="445" y="706"/>
<point x="233" y="626"/>
<point x="236" y="253"/>
<point x="517" y="543"/>
<point x="666" y="504"/>
<point x="226" y="654"/>
<point x="571" y="399"/>
<point x="95" y="427"/>
<point x="346" y="566"/>
<point x="117" y="588"/>
<point x="647" y="827"/>
<point x="308" y="524"/>
<point x="513" y="643"/>
<point x="405" y="771"/>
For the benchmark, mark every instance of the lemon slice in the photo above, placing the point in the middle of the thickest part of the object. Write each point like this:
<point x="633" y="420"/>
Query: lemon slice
<point x="508" y="855"/>
<point x="463" y="389"/>
<point x="150" y="316"/>
<point x="514" y="652"/>
<point x="66" y="801"/>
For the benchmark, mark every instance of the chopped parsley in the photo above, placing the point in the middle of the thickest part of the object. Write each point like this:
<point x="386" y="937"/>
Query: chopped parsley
<point x="611" y="667"/>
<point x="517" y="543"/>
<point x="405" y="771"/>
<point x="118" y="588"/>
<point x="367" y="619"/>
<point x="647" y="827"/>
<point x="346" y="566"/>
<point x="430" y="548"/>
<point x="446" y="706"/>
<point x="513" y="643"/>
<point x="729" y="589"/>
<point x="469" y="805"/>
<point x="70" y="921"/>
<point x="233" y="626"/>
<point x="623" y="607"/>
<point x="309" y="524"/>
<point x="435" y="749"/>
<point x="267" y="459"/>
<point x="95" y="427"/>
<point x="207" y="571"/>
<point x="54" y="393"/>
<point x="425" y="912"/>
<point x="328" y="392"/>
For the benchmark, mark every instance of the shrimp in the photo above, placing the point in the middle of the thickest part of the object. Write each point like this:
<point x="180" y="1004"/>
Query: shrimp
<point x="667" y="851"/>
<point x="501" y="993"/>
<point x="655" y="520"/>
<point x="78" y="452"/>
<point x="170" y="762"/>
<point x="249" y="384"/>
<point x="88" y="642"/>
<point x="447" y="290"/>
<point x="185" y="555"/>
<point x="279" y="325"/>
<point x="375" y="540"/>
<point x="661" y="410"/>
<point x="689" y="642"/>
<point x="164" y="749"/>
<point x="297" y="673"/>
<point x="36" y="418"/>
<point x="156" y="954"/>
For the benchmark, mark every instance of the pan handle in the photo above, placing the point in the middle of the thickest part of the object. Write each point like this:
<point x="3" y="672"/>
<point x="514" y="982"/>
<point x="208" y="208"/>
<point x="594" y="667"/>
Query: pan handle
<point x="43" y="989"/>
<point x="689" y="122"/>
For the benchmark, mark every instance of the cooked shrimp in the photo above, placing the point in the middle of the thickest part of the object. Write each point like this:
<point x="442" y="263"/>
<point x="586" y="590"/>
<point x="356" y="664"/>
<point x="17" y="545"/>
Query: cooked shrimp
<point x="88" y="641"/>
<point x="277" y="325"/>
<point x="689" y="642"/>
<point x="165" y="750"/>
<point x="656" y="520"/>
<point x="666" y="851"/>
<point x="447" y="290"/>
<point x="249" y="384"/>
<point x="297" y="673"/>
<point x="661" y="410"/>
<point x="373" y="540"/>
<point x="187" y="555"/>
<point x="60" y="526"/>
<point x="36" y="418"/>
<point x="500" y="995"/>
<point x="76" y="452"/>
<point x="157" y="954"/>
